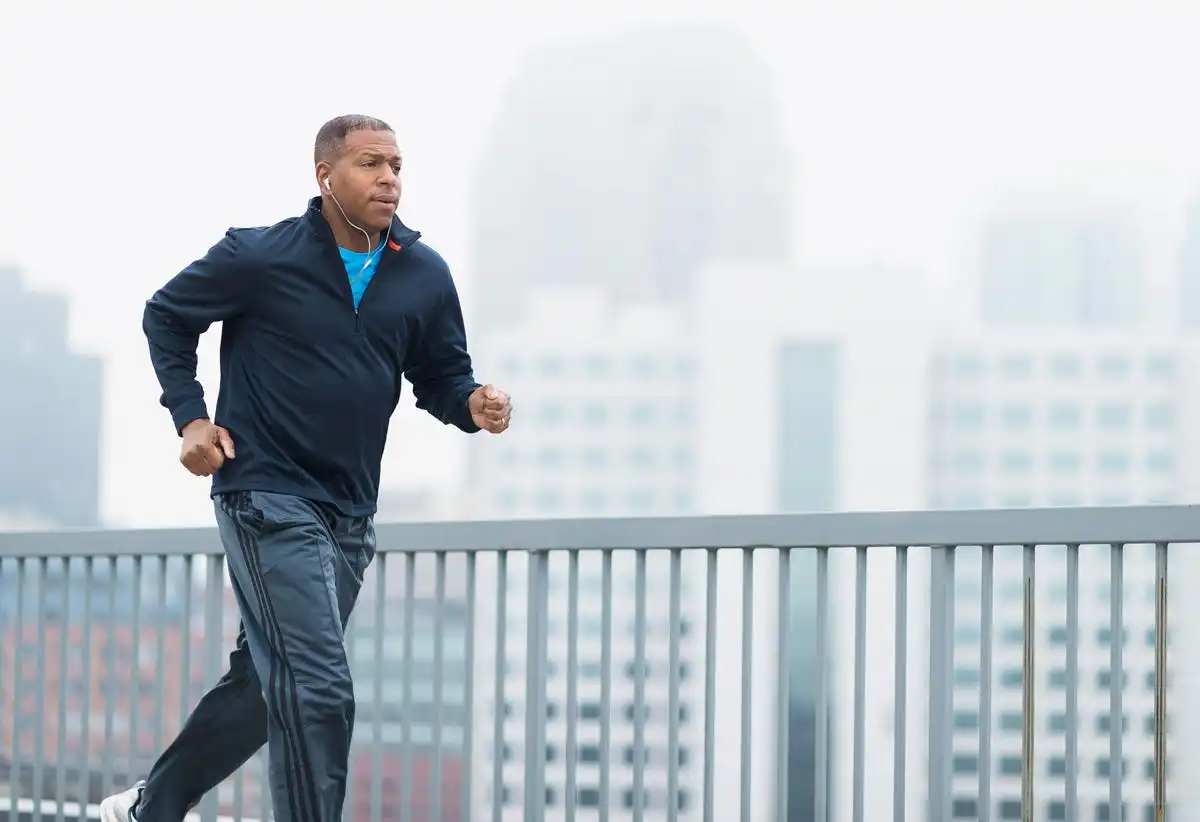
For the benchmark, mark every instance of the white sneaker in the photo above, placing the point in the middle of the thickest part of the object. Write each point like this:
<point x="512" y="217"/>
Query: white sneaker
<point x="119" y="806"/>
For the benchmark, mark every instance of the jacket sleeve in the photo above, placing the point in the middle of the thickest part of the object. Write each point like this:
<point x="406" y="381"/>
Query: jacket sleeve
<point x="440" y="371"/>
<point x="212" y="289"/>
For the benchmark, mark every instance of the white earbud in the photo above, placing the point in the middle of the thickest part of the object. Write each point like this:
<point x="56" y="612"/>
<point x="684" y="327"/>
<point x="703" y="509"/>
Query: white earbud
<point x="328" y="187"/>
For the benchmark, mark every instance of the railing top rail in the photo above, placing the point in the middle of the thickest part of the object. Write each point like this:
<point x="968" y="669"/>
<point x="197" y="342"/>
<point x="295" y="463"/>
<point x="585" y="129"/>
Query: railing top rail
<point x="1034" y="526"/>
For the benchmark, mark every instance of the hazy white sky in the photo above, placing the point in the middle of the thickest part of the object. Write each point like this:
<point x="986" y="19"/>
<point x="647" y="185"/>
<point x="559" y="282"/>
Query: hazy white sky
<point x="136" y="132"/>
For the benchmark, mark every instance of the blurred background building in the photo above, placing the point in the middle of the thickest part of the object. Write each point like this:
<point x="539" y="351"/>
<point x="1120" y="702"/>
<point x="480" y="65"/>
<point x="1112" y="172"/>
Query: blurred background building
<point x="728" y="260"/>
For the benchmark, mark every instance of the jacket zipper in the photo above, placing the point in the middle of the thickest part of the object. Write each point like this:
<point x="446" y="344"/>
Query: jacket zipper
<point x="408" y="241"/>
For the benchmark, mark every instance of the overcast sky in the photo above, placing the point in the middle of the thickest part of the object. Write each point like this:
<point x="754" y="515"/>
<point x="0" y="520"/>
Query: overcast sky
<point x="135" y="132"/>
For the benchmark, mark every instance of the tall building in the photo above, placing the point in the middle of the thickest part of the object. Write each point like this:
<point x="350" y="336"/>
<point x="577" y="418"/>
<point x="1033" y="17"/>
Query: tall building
<point x="51" y="403"/>
<point x="1061" y="419"/>
<point x="1051" y="419"/>
<point x="626" y="162"/>
<point x="1062" y="267"/>
<point x="1188" y="278"/>
<point x="817" y="401"/>
<point x="611" y="409"/>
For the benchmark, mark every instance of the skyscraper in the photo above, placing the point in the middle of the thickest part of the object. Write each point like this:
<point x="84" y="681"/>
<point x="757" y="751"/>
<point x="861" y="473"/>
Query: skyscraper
<point x="1061" y="267"/>
<point x="626" y="162"/>
<point x="1189" y="271"/>
<point x="51" y="401"/>
<point x="1048" y="419"/>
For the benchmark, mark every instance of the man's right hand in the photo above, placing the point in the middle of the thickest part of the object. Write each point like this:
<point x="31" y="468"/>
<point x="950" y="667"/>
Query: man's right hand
<point x="205" y="447"/>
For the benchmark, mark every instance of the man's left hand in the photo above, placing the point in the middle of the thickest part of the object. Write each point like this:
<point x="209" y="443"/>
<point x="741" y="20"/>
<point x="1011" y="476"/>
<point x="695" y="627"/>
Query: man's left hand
<point x="491" y="409"/>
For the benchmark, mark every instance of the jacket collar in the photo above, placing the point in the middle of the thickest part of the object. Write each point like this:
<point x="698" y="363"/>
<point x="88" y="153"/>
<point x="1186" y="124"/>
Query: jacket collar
<point x="401" y="236"/>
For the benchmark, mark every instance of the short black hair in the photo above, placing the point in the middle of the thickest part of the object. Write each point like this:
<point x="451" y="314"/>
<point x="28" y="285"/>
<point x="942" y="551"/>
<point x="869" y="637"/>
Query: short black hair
<point x="331" y="139"/>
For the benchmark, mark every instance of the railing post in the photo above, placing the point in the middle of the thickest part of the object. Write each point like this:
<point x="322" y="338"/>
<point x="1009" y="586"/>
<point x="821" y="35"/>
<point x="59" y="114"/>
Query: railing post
<point x="1028" y="726"/>
<point x="900" y="698"/>
<point x="941" y="604"/>
<point x="535" y="687"/>
<point x="821" y="801"/>
<point x="1160" y="682"/>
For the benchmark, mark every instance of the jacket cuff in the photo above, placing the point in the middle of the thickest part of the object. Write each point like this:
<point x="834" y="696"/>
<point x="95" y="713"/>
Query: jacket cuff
<point x="190" y="411"/>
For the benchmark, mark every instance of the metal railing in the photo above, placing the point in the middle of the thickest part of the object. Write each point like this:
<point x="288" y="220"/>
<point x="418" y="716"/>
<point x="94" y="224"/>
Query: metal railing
<point x="111" y="636"/>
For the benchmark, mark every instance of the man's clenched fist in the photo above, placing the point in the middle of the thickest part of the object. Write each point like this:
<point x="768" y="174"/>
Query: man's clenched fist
<point x="490" y="409"/>
<point x="205" y="447"/>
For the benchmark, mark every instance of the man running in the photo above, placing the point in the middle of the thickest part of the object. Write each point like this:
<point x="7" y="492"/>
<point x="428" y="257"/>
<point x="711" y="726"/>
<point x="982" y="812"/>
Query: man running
<point x="322" y="315"/>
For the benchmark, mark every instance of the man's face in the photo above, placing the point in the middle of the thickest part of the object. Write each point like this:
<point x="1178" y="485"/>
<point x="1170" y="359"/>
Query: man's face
<point x="366" y="179"/>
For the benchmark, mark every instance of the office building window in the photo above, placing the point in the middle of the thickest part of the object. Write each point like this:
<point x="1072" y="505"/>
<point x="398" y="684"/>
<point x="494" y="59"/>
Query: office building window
<point x="965" y="764"/>
<point x="965" y="808"/>
<point x="1114" y="416"/>
<point x="1065" y="367"/>
<point x="1017" y="417"/>
<point x="1008" y="809"/>
<point x="1065" y="417"/>
<point x="1114" y="367"/>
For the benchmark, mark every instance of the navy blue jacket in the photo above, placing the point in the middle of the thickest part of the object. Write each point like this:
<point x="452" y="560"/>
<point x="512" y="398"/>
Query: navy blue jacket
<point x="308" y="384"/>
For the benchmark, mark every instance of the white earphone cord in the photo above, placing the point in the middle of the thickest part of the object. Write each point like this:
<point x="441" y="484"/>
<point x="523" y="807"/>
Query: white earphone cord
<point x="371" y="253"/>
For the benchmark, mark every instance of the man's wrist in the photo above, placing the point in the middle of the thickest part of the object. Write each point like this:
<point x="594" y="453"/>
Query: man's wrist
<point x="197" y="421"/>
<point x="189" y="413"/>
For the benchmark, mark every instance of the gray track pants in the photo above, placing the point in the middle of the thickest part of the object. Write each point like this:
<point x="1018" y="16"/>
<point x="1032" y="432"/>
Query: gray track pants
<point x="297" y="568"/>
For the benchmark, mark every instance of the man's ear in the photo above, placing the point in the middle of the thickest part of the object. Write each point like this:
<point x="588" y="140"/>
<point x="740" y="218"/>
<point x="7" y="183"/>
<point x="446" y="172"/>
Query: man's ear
<point x="323" y="170"/>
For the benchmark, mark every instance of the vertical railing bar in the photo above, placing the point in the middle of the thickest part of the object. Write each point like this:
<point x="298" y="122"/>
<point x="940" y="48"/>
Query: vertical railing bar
<point x="673" y="643"/>
<point x="860" y="681"/>
<point x="1160" y="682"/>
<point x="747" y="681"/>
<point x="185" y="655"/>
<point x="39" y="745"/>
<point x="940" y="703"/>
<point x="16" y="776"/>
<point x="821" y="804"/>
<point x="1028" y="725"/>
<point x="986" y="620"/>
<point x="406" y="731"/>
<point x="468" y="745"/>
<point x="86" y="731"/>
<point x="572" y="712"/>
<point x="135" y="684"/>
<point x="1072" y="747"/>
<point x="783" y="662"/>
<point x="535" y="687"/>
<point x="214" y="612"/>
<point x="64" y="664"/>
<point x="606" y="617"/>
<point x="639" y="685"/>
<point x="710" y="682"/>
<point x="160" y="652"/>
<point x="239" y="792"/>
<point x="948" y="678"/>
<point x="1116" y="683"/>
<point x="439" y="662"/>
<point x="498" y="686"/>
<point x="377" y="701"/>
<point x="8" y="720"/>
<point x="900" y="683"/>
<point x="264" y="789"/>
<point x="110" y="679"/>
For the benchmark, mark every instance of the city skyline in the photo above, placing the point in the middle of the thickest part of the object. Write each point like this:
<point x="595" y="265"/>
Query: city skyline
<point x="727" y="261"/>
